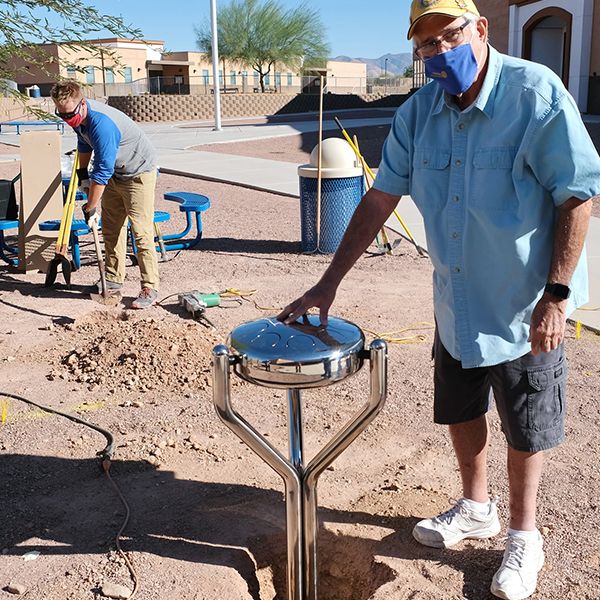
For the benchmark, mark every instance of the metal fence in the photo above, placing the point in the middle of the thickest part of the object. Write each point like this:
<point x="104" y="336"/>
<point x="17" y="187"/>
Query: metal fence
<point x="241" y="84"/>
<point x="419" y="78"/>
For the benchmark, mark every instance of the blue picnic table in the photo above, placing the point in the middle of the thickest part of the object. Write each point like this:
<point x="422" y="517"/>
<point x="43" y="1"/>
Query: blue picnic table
<point x="60" y="125"/>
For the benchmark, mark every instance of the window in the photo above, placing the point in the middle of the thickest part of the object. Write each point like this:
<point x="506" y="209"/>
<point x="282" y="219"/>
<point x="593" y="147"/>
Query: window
<point x="179" y="79"/>
<point x="232" y="78"/>
<point x="268" y="79"/>
<point x="109" y="75"/>
<point x="90" y="75"/>
<point x="127" y="75"/>
<point x="205" y="76"/>
<point x="71" y="72"/>
<point x="255" y="77"/>
<point x="290" y="79"/>
<point x="220" y="77"/>
<point x="278" y="80"/>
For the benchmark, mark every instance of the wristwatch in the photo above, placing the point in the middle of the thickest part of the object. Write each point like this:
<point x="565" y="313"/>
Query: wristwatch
<point x="558" y="289"/>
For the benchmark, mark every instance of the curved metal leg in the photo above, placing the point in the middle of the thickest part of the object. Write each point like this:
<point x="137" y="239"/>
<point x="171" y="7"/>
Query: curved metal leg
<point x="353" y="428"/>
<point x="291" y="478"/>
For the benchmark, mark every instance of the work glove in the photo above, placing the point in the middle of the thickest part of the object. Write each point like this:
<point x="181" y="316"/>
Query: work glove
<point x="83" y="180"/>
<point x="90" y="216"/>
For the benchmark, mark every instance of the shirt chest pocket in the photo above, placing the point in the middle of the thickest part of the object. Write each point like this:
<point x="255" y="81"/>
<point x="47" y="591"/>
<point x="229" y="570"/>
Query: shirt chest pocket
<point x="430" y="177"/>
<point x="491" y="183"/>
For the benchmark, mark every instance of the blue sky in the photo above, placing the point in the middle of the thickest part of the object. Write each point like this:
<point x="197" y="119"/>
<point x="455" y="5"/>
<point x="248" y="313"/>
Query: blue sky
<point x="367" y="28"/>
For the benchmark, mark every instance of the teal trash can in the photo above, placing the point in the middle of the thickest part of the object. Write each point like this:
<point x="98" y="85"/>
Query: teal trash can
<point x="342" y="187"/>
<point x="35" y="91"/>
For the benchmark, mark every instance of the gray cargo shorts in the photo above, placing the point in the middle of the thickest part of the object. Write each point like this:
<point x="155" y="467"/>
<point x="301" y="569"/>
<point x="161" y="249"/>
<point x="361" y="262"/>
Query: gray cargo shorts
<point x="529" y="393"/>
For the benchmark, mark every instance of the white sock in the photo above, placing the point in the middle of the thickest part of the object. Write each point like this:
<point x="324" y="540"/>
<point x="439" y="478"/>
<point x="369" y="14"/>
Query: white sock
<point x="530" y="534"/>
<point x="482" y="508"/>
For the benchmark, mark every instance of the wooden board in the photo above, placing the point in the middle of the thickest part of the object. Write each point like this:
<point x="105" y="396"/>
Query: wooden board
<point x="41" y="197"/>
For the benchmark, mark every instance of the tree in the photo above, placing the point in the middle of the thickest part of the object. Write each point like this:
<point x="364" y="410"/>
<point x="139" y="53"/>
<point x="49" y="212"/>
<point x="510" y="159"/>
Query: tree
<point x="25" y="24"/>
<point x="409" y="71"/>
<point x="261" y="34"/>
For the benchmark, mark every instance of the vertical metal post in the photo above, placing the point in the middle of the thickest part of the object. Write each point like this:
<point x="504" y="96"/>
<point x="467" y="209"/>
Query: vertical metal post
<point x="215" y="64"/>
<point x="295" y="501"/>
<point x="103" y="73"/>
<point x="295" y="428"/>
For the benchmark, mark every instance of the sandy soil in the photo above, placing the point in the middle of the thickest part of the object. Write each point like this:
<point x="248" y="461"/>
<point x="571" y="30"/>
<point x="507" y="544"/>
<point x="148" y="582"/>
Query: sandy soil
<point x="207" y="516"/>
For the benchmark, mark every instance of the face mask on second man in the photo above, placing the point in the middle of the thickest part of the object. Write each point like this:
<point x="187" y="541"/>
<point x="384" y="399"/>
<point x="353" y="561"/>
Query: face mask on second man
<point x="454" y="70"/>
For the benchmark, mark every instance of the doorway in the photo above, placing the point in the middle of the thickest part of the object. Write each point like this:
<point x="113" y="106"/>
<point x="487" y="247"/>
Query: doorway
<point x="547" y="40"/>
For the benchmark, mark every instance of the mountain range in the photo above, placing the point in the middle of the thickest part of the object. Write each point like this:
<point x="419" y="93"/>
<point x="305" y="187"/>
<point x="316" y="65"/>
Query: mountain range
<point x="396" y="63"/>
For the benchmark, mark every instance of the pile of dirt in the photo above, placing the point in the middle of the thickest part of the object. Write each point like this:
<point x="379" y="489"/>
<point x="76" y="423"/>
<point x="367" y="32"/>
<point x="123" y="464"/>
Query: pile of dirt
<point x="122" y="353"/>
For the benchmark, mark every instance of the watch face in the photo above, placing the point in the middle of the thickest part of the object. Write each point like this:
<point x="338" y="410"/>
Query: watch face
<point x="559" y="290"/>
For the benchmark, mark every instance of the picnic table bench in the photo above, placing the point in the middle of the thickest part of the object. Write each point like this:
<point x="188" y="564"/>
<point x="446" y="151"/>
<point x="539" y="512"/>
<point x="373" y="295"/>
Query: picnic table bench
<point x="226" y="90"/>
<point x="60" y="125"/>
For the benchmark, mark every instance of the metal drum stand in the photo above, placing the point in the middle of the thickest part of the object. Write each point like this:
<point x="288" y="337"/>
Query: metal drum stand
<point x="301" y="355"/>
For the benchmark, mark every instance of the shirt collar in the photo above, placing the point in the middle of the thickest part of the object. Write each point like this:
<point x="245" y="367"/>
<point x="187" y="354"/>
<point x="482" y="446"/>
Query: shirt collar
<point x="487" y="94"/>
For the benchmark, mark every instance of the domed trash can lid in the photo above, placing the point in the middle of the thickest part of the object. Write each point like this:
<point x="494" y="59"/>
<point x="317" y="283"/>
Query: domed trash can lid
<point x="337" y="160"/>
<point x="303" y="354"/>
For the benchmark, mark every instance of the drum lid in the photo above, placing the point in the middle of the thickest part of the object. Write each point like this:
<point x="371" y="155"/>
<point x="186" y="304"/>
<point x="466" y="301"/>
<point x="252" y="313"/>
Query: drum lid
<point x="301" y="354"/>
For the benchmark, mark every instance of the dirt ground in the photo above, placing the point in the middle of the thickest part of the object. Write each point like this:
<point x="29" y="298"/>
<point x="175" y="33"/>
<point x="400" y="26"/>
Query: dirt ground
<point x="207" y="517"/>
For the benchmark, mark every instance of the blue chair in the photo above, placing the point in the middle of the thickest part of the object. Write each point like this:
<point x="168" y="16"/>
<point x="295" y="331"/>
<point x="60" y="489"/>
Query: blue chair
<point x="9" y="213"/>
<point x="160" y="216"/>
<point x="193" y="205"/>
<point x="7" y="253"/>
<point x="78" y="195"/>
<point x="78" y="227"/>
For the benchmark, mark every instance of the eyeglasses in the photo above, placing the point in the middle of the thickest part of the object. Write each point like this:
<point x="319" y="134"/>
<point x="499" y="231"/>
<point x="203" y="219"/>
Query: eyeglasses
<point x="449" y="39"/>
<point x="70" y="114"/>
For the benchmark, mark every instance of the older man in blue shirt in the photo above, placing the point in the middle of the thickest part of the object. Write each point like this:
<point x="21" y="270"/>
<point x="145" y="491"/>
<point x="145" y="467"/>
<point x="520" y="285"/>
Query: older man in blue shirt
<point x="496" y="157"/>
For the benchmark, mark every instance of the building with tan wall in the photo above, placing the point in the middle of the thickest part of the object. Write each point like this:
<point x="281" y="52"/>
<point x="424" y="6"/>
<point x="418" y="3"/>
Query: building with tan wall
<point x="562" y="34"/>
<point x="119" y="61"/>
<point x="131" y="67"/>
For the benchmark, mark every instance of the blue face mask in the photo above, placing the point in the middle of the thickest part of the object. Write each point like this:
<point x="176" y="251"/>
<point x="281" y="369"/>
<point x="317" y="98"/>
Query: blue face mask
<point x="454" y="70"/>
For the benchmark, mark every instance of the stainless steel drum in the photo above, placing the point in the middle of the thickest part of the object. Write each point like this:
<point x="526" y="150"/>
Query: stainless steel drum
<point x="301" y="355"/>
<point x="304" y="354"/>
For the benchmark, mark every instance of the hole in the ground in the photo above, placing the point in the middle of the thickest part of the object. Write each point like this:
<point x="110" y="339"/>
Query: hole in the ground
<point x="347" y="567"/>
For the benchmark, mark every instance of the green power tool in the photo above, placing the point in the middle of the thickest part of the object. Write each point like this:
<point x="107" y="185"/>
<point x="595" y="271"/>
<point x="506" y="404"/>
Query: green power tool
<point x="196" y="303"/>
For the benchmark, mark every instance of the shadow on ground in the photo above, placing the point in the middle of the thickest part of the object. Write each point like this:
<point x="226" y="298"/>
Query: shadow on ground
<point x="70" y="504"/>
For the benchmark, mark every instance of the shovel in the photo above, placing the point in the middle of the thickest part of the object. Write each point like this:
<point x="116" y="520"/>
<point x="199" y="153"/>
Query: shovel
<point x="103" y="298"/>
<point x="64" y="233"/>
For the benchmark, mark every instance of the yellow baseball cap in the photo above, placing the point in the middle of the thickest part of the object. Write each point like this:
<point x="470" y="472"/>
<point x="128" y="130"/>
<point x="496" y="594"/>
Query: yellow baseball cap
<point x="451" y="8"/>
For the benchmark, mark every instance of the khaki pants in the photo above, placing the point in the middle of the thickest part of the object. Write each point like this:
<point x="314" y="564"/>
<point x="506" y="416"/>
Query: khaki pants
<point x="134" y="200"/>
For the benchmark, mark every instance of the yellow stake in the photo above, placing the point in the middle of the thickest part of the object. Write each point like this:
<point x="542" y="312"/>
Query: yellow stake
<point x="370" y="172"/>
<point x="577" y="329"/>
<point x="4" y="411"/>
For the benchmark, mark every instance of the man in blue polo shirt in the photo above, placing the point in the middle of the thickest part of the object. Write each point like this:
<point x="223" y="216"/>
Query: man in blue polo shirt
<point x="123" y="177"/>
<point x="495" y="156"/>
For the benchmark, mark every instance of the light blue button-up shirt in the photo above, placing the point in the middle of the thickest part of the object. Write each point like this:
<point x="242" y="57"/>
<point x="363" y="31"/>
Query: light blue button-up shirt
<point x="487" y="181"/>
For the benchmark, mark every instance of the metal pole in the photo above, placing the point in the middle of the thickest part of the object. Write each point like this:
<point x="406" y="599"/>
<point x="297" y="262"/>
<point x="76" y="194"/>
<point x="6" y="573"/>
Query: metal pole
<point x="385" y="77"/>
<point x="215" y="64"/>
<point x="103" y="74"/>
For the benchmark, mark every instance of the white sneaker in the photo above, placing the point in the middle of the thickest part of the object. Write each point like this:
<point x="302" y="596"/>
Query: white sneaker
<point x="457" y="524"/>
<point x="516" y="578"/>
